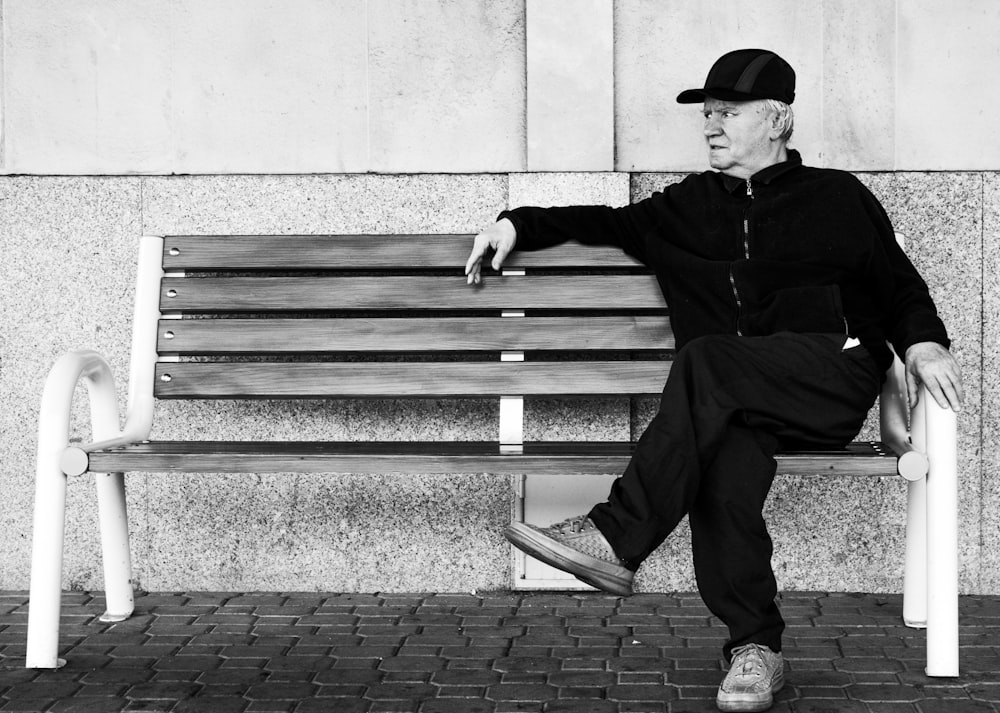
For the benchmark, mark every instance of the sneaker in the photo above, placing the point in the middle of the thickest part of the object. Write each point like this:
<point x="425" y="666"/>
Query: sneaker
<point x="578" y="547"/>
<point x="755" y="675"/>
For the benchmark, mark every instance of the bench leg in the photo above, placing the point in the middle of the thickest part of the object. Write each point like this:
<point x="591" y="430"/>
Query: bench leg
<point x="915" y="570"/>
<point x="48" y="537"/>
<point x="940" y="432"/>
<point x="930" y="588"/>
<point x="45" y="596"/>
<point x="115" y="546"/>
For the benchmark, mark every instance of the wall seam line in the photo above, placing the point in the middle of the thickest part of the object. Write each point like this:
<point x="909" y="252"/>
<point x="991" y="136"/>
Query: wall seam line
<point x="824" y="153"/>
<point x="982" y="382"/>
<point x="3" y="86"/>
<point x="368" y="88"/>
<point x="895" y="86"/>
<point x="526" y="156"/>
<point x="614" y="97"/>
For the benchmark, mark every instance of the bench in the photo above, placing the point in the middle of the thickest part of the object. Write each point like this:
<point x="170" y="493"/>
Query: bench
<point x="303" y="317"/>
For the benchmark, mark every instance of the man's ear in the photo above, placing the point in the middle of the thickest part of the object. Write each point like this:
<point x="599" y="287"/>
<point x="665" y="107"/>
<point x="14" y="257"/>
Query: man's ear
<point x="779" y="127"/>
<point x="775" y="129"/>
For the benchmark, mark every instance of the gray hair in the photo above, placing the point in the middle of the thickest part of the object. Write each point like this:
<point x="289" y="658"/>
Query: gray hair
<point x="786" y="118"/>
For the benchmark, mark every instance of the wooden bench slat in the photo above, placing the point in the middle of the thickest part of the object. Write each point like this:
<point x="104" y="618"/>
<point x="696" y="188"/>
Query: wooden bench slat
<point x="346" y="252"/>
<point x="383" y="457"/>
<point x="388" y="334"/>
<point x="198" y="380"/>
<point x="265" y="294"/>
<point x="548" y="458"/>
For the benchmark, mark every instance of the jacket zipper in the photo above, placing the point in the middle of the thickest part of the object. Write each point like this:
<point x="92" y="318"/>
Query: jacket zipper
<point x="746" y="255"/>
<point x="746" y="221"/>
<point x="739" y="303"/>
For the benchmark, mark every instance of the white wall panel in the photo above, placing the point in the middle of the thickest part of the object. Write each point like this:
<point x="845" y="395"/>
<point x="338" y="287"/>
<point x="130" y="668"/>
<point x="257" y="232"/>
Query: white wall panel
<point x="859" y="80"/>
<point x="571" y="85"/>
<point x="947" y="100"/>
<point x="221" y="86"/>
<point x="446" y="86"/>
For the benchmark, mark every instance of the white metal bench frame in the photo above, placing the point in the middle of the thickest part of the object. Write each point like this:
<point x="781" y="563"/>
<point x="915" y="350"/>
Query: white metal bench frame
<point x="925" y="439"/>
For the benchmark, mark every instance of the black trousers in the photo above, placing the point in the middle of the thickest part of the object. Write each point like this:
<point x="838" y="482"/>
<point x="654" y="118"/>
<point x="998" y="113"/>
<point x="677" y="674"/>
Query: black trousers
<point x="728" y="405"/>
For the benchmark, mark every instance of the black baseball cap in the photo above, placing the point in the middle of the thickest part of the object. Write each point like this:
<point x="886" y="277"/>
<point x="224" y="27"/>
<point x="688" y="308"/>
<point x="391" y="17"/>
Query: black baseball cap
<point x="745" y="75"/>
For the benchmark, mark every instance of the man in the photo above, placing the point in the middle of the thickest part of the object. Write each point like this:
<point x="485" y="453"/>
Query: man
<point x="784" y="283"/>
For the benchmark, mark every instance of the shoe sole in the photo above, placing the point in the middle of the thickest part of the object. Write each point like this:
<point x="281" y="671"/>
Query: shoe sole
<point x="590" y="570"/>
<point x="745" y="703"/>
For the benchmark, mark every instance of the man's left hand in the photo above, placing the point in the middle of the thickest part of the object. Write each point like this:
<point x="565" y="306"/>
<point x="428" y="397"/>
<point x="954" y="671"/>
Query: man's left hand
<point x="932" y="365"/>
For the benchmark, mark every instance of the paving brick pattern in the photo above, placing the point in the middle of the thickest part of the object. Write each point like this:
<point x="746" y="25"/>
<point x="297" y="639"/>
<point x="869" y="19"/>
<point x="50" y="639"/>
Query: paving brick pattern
<point x="489" y="653"/>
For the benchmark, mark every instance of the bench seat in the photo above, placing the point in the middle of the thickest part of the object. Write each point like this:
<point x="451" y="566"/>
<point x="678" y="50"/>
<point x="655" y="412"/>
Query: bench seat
<point x="541" y="458"/>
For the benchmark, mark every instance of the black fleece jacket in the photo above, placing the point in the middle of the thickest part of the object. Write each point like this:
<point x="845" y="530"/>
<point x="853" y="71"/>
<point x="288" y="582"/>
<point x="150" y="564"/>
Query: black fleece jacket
<point x="794" y="248"/>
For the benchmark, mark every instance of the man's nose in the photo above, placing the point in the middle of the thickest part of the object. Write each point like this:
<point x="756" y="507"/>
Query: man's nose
<point x="712" y="126"/>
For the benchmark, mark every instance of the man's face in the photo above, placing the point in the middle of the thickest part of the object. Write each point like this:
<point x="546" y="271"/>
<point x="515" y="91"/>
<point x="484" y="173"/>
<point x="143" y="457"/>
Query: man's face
<point x="740" y="137"/>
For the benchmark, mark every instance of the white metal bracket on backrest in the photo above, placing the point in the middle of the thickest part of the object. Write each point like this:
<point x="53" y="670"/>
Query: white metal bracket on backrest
<point x="168" y="333"/>
<point x="512" y="407"/>
<point x="144" y="335"/>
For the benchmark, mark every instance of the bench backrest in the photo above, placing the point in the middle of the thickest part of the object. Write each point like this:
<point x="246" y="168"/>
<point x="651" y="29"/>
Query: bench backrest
<point x="392" y="316"/>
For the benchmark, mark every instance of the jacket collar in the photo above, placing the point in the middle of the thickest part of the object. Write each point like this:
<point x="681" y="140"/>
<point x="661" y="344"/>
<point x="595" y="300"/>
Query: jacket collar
<point x="765" y="175"/>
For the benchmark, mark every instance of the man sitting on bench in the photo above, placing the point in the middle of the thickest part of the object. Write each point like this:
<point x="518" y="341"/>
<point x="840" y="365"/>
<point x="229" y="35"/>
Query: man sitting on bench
<point x="784" y="283"/>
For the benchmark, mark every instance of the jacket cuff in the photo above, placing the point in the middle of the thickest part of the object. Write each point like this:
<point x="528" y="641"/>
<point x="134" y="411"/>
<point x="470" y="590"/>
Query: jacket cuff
<point x="905" y="345"/>
<point x="518" y="225"/>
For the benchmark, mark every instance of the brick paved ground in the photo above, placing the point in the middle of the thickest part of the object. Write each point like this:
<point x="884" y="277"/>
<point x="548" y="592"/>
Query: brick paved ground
<point x="301" y="653"/>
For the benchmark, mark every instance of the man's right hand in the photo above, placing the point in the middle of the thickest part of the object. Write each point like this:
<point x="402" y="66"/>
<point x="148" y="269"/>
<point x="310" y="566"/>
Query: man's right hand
<point x="500" y="237"/>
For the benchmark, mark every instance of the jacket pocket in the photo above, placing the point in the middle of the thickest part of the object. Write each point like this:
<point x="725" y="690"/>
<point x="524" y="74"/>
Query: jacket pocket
<point x="798" y="309"/>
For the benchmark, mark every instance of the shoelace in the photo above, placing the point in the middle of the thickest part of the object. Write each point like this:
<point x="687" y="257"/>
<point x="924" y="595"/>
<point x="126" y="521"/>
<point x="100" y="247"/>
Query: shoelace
<point x="574" y="524"/>
<point x="748" y="661"/>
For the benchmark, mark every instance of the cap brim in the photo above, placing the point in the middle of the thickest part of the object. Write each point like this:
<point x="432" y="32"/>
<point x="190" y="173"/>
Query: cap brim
<point x="691" y="96"/>
<point x="695" y="96"/>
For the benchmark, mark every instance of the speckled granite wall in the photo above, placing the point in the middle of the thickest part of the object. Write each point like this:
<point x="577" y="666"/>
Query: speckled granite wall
<point x="68" y="281"/>
<point x="989" y="568"/>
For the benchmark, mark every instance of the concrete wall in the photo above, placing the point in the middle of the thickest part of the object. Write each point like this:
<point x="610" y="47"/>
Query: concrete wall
<point x="325" y="116"/>
<point x="334" y="86"/>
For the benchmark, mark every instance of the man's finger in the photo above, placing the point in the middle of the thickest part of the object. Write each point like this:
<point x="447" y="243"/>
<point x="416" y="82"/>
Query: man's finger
<point x="952" y="394"/>
<point x="934" y="389"/>
<point x="501" y="254"/>
<point x="475" y="256"/>
<point x="473" y="265"/>
<point x="944" y="392"/>
<point x="472" y="270"/>
<point x="912" y="389"/>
